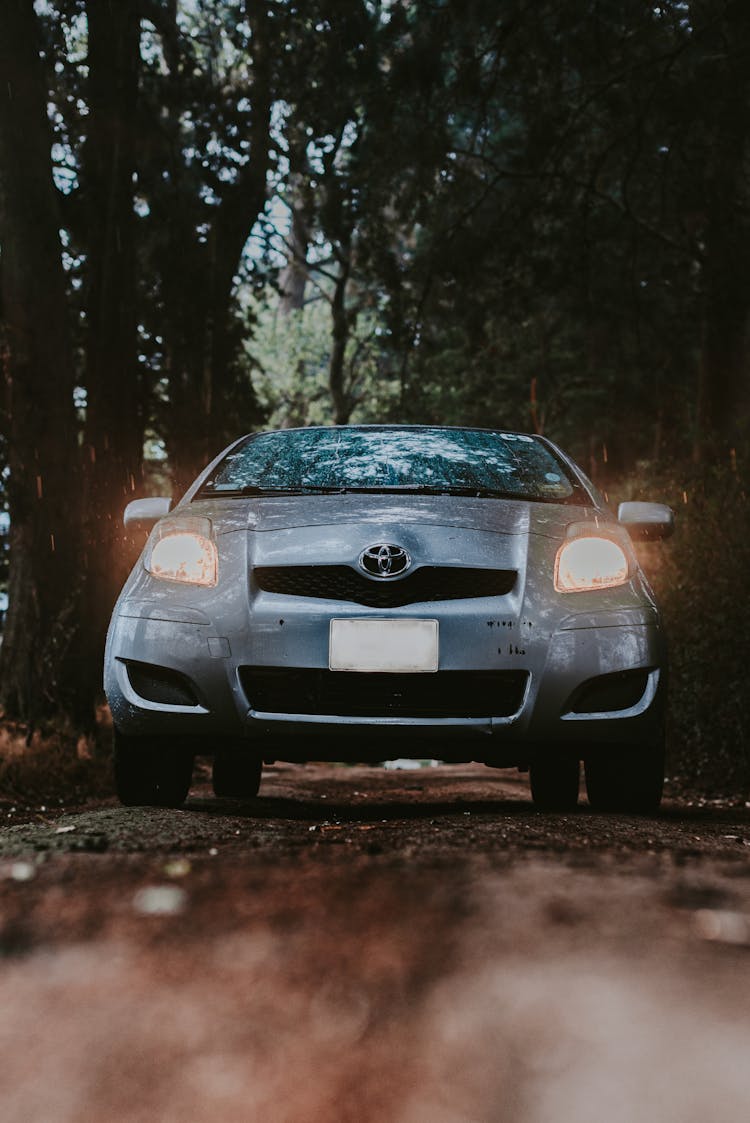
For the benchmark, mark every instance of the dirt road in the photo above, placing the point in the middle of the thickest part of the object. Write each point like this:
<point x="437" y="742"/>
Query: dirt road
<point x="361" y="944"/>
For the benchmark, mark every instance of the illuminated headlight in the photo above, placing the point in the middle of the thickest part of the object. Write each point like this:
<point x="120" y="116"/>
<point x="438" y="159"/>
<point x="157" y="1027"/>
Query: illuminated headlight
<point x="184" y="552"/>
<point x="589" y="563"/>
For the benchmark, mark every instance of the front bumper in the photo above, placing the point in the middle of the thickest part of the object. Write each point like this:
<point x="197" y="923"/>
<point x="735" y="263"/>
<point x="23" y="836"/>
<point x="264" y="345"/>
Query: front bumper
<point x="560" y="664"/>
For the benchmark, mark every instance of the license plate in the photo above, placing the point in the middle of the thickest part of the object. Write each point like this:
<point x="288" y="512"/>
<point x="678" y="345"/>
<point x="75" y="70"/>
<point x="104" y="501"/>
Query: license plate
<point x="383" y="645"/>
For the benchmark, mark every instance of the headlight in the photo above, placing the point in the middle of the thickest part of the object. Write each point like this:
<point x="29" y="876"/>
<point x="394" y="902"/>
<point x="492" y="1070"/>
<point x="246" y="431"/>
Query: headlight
<point x="587" y="563"/>
<point x="184" y="551"/>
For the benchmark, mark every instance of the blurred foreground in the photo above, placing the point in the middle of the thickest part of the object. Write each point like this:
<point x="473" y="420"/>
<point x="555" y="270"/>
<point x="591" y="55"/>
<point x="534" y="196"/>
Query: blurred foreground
<point x="372" y="945"/>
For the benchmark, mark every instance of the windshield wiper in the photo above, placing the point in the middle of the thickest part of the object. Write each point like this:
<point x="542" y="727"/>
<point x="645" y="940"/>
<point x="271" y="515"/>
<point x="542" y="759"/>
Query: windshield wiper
<point x="264" y="492"/>
<point x="353" y="489"/>
<point x="448" y="489"/>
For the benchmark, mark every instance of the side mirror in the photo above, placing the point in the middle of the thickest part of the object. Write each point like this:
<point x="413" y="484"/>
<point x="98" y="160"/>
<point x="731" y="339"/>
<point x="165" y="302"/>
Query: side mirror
<point x="646" y="521"/>
<point x="143" y="514"/>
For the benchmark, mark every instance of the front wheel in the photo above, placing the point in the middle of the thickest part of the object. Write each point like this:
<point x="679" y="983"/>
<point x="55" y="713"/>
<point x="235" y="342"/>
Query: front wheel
<point x="151" y="771"/>
<point x="554" y="783"/>
<point x="626" y="779"/>
<point x="236" y="775"/>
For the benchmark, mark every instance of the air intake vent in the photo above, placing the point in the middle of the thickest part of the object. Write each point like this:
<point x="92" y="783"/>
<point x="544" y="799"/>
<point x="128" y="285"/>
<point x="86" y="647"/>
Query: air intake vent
<point x="446" y="694"/>
<point x="342" y="583"/>
<point x="160" y="684"/>
<point x="609" y="693"/>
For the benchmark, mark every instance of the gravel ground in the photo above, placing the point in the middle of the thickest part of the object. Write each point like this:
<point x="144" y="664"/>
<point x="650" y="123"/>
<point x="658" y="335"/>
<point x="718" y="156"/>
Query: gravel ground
<point x="362" y="944"/>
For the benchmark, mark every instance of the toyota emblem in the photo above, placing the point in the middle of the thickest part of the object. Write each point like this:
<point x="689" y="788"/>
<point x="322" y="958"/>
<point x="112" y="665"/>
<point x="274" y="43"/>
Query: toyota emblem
<point x="384" y="560"/>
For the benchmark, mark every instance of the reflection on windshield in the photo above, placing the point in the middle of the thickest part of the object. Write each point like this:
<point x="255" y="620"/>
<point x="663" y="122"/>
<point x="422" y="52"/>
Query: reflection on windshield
<point x="392" y="459"/>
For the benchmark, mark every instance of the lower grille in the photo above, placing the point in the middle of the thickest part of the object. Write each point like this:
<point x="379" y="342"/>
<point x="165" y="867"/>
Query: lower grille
<point x="341" y="582"/>
<point x="445" y="694"/>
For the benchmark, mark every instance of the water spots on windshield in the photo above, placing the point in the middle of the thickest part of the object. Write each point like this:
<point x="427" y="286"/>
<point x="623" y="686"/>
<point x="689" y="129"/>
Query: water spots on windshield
<point x="394" y="458"/>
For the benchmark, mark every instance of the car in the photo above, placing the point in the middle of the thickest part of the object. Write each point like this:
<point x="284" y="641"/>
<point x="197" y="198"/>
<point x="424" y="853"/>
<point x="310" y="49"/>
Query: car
<point x="365" y="592"/>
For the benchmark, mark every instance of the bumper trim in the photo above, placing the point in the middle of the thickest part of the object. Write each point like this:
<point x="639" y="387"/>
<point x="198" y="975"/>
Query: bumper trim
<point x="332" y="723"/>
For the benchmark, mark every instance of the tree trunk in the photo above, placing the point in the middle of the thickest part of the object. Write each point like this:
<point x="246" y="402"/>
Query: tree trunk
<point x="340" y="400"/>
<point x="39" y="670"/>
<point x="114" y="413"/>
<point x="293" y="277"/>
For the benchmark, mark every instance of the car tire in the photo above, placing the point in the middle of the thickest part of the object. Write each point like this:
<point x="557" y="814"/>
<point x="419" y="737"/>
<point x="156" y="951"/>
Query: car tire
<point x="554" y="783"/>
<point x="236" y="775"/>
<point x="151" y="771"/>
<point x="626" y="779"/>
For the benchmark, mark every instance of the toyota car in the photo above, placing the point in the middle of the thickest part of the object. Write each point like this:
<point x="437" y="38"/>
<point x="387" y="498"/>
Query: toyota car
<point x="356" y="593"/>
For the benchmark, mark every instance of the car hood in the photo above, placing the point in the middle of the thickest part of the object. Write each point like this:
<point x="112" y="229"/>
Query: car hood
<point x="499" y="516"/>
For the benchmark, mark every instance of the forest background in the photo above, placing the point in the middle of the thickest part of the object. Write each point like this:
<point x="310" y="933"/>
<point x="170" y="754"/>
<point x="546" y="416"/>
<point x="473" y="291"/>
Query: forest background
<point x="222" y="214"/>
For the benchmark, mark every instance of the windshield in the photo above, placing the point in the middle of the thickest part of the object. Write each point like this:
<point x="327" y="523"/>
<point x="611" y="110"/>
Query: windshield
<point x="423" y="460"/>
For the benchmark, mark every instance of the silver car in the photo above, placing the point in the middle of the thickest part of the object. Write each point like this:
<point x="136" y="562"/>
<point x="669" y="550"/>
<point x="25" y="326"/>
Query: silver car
<point x="366" y="592"/>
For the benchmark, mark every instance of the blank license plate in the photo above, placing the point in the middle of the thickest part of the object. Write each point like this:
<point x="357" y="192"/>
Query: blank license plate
<point x="383" y="645"/>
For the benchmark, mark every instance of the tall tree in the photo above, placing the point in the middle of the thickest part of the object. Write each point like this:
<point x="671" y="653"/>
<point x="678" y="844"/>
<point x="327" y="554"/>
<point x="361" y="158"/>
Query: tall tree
<point x="39" y="678"/>
<point x="114" y="429"/>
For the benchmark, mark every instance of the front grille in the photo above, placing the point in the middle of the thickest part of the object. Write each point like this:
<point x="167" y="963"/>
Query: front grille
<point x="342" y="583"/>
<point x="448" y="694"/>
<point x="160" y="684"/>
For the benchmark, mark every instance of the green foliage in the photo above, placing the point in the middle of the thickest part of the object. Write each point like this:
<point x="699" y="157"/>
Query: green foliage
<point x="527" y="195"/>
<point x="565" y="232"/>
<point x="289" y="356"/>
